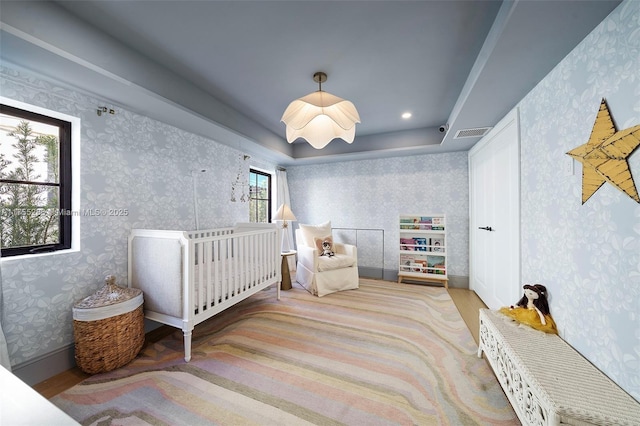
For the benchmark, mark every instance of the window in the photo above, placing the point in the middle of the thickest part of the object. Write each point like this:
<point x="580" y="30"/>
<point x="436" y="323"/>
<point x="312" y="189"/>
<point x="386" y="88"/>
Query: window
<point x="35" y="182"/>
<point x="260" y="196"/>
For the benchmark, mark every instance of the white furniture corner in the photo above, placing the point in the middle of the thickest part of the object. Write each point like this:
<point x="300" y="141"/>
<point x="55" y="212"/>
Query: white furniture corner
<point x="21" y="405"/>
<point x="548" y="382"/>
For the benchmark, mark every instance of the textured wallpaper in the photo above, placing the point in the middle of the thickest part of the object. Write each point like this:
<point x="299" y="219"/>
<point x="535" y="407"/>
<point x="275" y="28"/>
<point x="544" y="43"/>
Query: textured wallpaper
<point x="128" y="162"/>
<point x="374" y="193"/>
<point x="587" y="255"/>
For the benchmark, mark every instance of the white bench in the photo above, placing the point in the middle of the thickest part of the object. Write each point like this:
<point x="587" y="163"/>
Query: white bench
<point x="547" y="381"/>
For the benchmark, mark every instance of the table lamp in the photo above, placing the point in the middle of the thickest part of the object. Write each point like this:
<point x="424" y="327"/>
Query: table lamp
<point x="285" y="214"/>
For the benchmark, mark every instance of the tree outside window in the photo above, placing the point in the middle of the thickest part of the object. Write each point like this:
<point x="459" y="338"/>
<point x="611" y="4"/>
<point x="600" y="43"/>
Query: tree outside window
<point x="35" y="182"/>
<point x="260" y="196"/>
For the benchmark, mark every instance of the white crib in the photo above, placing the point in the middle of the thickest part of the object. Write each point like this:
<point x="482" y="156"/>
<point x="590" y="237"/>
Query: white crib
<point x="188" y="277"/>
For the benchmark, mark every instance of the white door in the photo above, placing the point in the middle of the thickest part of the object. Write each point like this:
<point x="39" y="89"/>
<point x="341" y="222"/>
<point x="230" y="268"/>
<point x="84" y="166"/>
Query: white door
<point x="494" y="222"/>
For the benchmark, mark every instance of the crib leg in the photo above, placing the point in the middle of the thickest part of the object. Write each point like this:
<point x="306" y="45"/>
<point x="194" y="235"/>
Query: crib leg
<point x="278" y="287"/>
<point x="187" y="345"/>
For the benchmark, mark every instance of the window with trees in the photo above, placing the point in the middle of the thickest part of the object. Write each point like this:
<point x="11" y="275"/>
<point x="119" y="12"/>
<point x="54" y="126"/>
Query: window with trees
<point x="260" y="196"/>
<point x="35" y="182"/>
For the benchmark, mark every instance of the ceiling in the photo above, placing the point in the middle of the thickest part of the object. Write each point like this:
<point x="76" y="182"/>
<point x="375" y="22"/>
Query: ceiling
<point x="238" y="64"/>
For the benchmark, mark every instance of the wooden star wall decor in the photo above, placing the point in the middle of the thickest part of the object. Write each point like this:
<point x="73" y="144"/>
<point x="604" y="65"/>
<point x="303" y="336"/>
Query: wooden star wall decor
<point x="605" y="156"/>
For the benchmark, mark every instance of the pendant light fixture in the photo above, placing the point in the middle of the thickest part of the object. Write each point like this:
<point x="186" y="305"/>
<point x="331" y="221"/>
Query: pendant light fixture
<point x="320" y="117"/>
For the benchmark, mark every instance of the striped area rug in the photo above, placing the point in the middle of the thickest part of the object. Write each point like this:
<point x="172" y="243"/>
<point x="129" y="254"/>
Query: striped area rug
<point x="382" y="354"/>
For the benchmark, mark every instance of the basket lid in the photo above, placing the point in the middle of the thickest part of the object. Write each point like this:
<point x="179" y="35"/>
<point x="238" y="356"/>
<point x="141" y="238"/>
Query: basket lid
<point x="109" y="294"/>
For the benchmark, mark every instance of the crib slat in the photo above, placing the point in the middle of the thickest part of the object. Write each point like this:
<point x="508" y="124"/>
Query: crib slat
<point x="253" y="260"/>
<point x="274" y="253"/>
<point x="207" y="274"/>
<point x="262" y="257"/>
<point x="236" y="264"/>
<point x="239" y="272"/>
<point x="226" y="279"/>
<point x="242" y="284"/>
<point x="250" y="261"/>
<point x="236" y="268"/>
<point x="268" y="255"/>
<point x="216" y="272"/>
<point x="189" y="259"/>
<point x="200" y="278"/>
<point x="247" y="263"/>
<point x="238" y="275"/>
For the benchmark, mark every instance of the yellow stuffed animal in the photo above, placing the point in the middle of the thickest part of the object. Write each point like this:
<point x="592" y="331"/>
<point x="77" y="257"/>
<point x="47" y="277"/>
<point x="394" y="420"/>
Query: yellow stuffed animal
<point x="533" y="309"/>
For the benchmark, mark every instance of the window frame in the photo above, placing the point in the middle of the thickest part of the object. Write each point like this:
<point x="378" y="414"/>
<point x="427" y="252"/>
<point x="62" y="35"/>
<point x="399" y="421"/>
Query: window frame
<point x="269" y="199"/>
<point x="65" y="178"/>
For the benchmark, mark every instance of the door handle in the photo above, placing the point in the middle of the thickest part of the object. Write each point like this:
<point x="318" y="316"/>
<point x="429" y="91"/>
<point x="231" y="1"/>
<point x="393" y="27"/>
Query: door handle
<point x="486" y="228"/>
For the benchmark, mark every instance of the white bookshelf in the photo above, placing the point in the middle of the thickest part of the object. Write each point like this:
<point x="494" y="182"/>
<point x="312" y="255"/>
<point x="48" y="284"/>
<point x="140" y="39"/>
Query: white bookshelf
<point x="423" y="248"/>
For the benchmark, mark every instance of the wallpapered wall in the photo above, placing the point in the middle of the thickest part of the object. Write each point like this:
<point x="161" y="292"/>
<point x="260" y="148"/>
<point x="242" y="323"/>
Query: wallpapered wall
<point x="587" y="255"/>
<point x="373" y="193"/>
<point x="128" y="162"/>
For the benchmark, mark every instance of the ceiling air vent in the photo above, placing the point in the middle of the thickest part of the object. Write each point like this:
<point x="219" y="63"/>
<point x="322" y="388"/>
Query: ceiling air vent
<point x="478" y="132"/>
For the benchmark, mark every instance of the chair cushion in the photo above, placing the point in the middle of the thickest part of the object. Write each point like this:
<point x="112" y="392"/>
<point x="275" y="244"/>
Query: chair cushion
<point x="338" y="261"/>
<point x="310" y="232"/>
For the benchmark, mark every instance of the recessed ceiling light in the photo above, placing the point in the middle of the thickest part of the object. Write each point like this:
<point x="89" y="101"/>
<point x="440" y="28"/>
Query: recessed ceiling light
<point x="406" y="115"/>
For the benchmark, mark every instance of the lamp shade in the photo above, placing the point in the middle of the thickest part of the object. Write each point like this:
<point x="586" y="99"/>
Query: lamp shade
<point x="284" y="213"/>
<point x="320" y="117"/>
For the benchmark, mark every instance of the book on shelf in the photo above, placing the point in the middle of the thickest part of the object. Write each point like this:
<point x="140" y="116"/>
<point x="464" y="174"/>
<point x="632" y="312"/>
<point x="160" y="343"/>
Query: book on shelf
<point x="410" y="224"/>
<point x="424" y="223"/>
<point x="438" y="224"/>
<point x="420" y="265"/>
<point x="421" y="244"/>
<point x="436" y="244"/>
<point x="407" y="244"/>
<point x="405" y="262"/>
<point x="436" y="264"/>
<point x="406" y="223"/>
<point x="412" y="263"/>
<point x="406" y="258"/>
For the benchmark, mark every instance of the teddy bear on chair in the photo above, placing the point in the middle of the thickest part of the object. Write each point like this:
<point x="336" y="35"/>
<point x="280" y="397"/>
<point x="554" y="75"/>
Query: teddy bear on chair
<point x="533" y="309"/>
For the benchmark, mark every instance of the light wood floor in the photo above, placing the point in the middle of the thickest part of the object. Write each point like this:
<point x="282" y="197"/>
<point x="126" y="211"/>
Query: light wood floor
<point x="468" y="304"/>
<point x="465" y="300"/>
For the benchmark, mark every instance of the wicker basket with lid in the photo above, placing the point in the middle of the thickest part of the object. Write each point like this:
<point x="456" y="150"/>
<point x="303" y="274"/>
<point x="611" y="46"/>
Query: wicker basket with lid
<point x="108" y="328"/>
